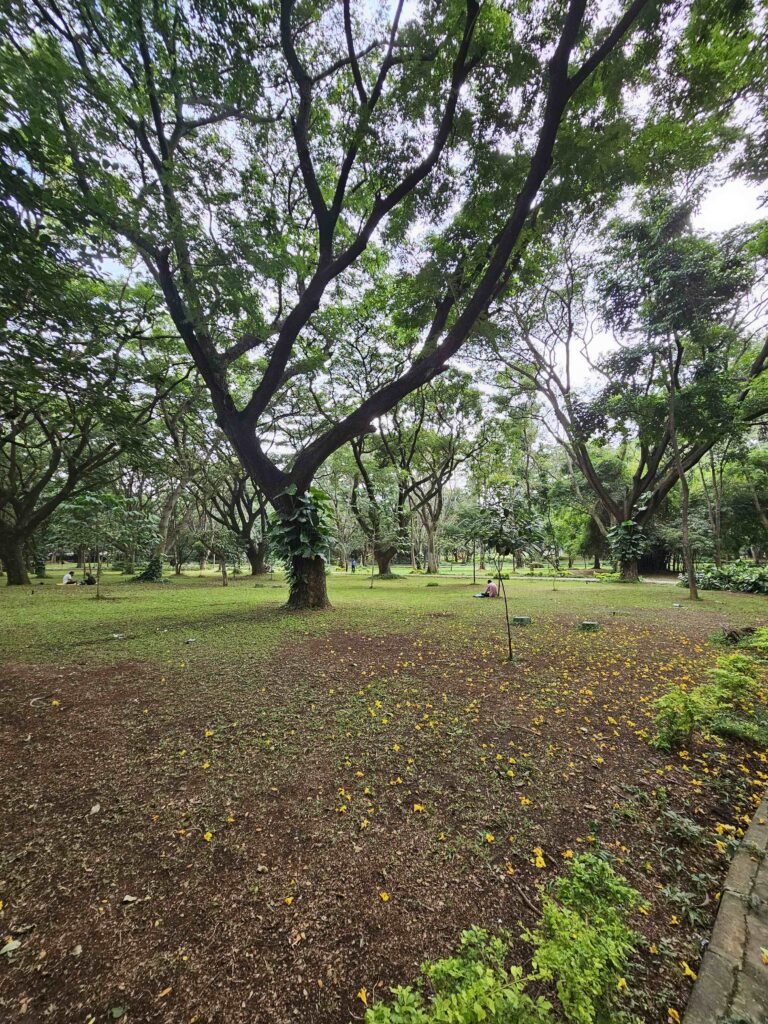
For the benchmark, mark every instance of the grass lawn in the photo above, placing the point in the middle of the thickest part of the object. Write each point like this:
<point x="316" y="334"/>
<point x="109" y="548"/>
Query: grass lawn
<point x="215" y="811"/>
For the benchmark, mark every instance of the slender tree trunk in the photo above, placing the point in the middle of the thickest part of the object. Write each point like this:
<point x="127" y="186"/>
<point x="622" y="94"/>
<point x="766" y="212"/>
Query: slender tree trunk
<point x="433" y="567"/>
<point x="690" y="568"/>
<point x="224" y="574"/>
<point x="308" y="584"/>
<point x="255" y="553"/>
<point x="12" y="557"/>
<point x="596" y="562"/>
<point x="165" y="517"/>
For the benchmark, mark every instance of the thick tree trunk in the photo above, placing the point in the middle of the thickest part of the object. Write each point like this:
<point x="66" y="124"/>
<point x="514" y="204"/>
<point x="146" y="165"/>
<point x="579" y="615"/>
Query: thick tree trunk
<point x="12" y="557"/>
<point x="384" y="558"/>
<point x="255" y="554"/>
<point x="596" y="562"/>
<point x="308" y="586"/>
<point x="628" y="571"/>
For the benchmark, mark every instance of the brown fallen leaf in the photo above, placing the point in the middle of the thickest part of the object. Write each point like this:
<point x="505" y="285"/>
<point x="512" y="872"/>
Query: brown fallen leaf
<point x="165" y="992"/>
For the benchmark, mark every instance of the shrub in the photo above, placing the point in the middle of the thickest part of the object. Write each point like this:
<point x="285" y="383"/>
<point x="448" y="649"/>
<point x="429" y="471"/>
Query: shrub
<point x="741" y="577"/>
<point x="581" y="945"/>
<point x="583" y="942"/>
<point x="153" y="572"/>
<point x="727" y="704"/>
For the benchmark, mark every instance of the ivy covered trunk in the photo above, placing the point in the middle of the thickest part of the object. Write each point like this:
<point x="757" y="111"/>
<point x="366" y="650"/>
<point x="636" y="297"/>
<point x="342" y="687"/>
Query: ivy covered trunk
<point x="12" y="557"/>
<point x="308" y="585"/>
<point x="628" y="570"/>
<point x="301" y="538"/>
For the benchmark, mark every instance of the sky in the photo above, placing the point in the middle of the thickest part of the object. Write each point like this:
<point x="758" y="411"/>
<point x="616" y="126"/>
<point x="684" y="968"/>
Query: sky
<point x="730" y="204"/>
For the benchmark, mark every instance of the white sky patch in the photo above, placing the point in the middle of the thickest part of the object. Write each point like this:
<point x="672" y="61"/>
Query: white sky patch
<point x="728" y="205"/>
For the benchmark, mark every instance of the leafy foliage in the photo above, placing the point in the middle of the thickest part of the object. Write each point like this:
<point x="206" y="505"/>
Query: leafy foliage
<point x="730" y="703"/>
<point x="746" y="579"/>
<point x="581" y="944"/>
<point x="302" y="529"/>
<point x="627" y="541"/>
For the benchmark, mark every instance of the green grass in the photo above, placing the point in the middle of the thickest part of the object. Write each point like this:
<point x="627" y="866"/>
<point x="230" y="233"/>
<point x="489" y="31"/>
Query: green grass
<point x="48" y="622"/>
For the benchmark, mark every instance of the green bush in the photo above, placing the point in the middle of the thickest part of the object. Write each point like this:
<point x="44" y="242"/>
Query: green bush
<point x="581" y="946"/>
<point x="583" y="942"/>
<point x="153" y="573"/>
<point x="741" y="577"/>
<point x="730" y="704"/>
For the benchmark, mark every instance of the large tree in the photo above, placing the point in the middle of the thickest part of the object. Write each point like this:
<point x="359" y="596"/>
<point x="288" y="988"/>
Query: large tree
<point x="252" y="154"/>
<point x="80" y="376"/>
<point x="686" y="368"/>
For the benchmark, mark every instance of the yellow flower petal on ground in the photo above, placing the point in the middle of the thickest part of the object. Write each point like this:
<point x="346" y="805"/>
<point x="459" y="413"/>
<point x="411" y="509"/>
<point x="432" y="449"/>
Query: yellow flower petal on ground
<point x="688" y="970"/>
<point x="362" y="995"/>
<point x="490" y="838"/>
<point x="383" y="896"/>
<point x="538" y="857"/>
<point x="208" y="836"/>
<point x="567" y="854"/>
<point x="621" y="985"/>
<point x="764" y="955"/>
<point x="288" y="900"/>
<point x="418" y="808"/>
<point x="673" y="1015"/>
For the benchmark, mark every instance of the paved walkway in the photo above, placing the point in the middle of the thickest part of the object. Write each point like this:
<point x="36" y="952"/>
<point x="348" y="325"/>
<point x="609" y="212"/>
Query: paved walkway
<point x="733" y="979"/>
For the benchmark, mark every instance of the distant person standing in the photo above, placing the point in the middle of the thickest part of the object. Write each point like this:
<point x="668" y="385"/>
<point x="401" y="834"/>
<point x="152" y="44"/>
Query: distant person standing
<point x="353" y="563"/>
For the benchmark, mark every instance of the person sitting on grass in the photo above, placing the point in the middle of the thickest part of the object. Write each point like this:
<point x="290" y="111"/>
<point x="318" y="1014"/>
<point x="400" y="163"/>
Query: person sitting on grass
<point x="490" y="591"/>
<point x="89" y="580"/>
<point x="69" y="577"/>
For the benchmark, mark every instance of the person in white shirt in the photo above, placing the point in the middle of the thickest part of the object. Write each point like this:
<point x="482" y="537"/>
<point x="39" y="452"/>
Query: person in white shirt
<point x="70" y="577"/>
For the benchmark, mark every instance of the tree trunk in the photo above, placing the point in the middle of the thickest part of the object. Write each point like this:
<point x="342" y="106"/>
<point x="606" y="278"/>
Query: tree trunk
<point x="596" y="562"/>
<point x="165" y="518"/>
<point x="628" y="571"/>
<point x="433" y="567"/>
<point x="690" y="568"/>
<point x="224" y="574"/>
<point x="384" y="558"/>
<point x="255" y="554"/>
<point x="308" y="585"/>
<point x="12" y="557"/>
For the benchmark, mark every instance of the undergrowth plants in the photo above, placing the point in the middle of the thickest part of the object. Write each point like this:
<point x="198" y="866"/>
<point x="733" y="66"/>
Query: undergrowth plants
<point x="581" y="947"/>
<point x="733" y="702"/>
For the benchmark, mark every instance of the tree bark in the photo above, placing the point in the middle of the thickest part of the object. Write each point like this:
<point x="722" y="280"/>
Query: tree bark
<point x="433" y="567"/>
<point x="628" y="571"/>
<point x="384" y="558"/>
<point x="255" y="553"/>
<point x="12" y="557"/>
<point x="308" y="585"/>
